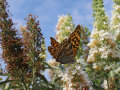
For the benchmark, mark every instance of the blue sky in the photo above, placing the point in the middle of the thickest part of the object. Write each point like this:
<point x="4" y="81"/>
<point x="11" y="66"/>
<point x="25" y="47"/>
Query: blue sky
<point x="49" y="10"/>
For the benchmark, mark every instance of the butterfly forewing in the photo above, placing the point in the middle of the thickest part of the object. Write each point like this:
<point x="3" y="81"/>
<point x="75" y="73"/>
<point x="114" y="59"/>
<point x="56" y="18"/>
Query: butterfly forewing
<point x="54" y="43"/>
<point x="52" y="51"/>
<point x="75" y="40"/>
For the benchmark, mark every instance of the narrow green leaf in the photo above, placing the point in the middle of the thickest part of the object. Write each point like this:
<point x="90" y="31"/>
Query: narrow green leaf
<point x="4" y="82"/>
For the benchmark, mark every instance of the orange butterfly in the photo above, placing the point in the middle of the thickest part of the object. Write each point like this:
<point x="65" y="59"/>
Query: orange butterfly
<point x="67" y="50"/>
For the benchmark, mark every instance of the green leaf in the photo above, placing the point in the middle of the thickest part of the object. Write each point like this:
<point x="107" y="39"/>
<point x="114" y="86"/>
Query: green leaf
<point x="0" y="78"/>
<point x="43" y="78"/>
<point x="97" y="81"/>
<point x="47" y="65"/>
<point x="4" y="82"/>
<point x="111" y="74"/>
<point x="59" y="78"/>
<point x="118" y="42"/>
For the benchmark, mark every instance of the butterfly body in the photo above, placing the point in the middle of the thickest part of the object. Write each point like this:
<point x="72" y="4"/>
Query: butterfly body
<point x="66" y="51"/>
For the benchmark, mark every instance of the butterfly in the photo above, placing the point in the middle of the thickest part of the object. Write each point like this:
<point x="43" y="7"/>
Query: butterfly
<point x="66" y="51"/>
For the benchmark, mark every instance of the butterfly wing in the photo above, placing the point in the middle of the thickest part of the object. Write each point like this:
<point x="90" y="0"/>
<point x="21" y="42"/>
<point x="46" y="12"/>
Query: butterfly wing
<point x="75" y="39"/>
<point x="52" y="51"/>
<point x="54" y="43"/>
<point x="65" y="54"/>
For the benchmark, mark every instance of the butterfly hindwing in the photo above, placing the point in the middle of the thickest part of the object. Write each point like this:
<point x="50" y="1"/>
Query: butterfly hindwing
<point x="65" y="54"/>
<point x="75" y="39"/>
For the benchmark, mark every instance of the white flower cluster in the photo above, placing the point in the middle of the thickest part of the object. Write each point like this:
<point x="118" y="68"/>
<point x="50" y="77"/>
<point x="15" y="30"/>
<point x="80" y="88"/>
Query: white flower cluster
<point x="53" y="64"/>
<point x="104" y="54"/>
<point x="64" y="27"/>
<point x="105" y="85"/>
<point x="102" y="44"/>
<point x="75" y="77"/>
<point x="115" y="21"/>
